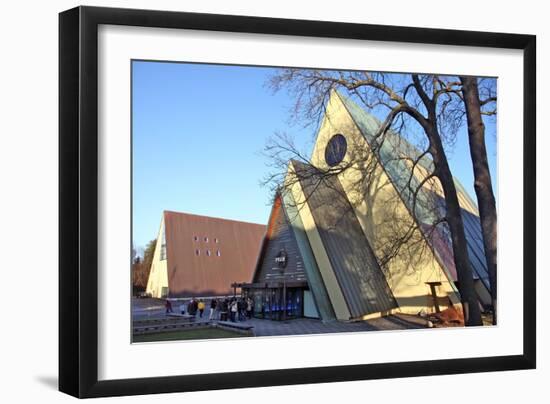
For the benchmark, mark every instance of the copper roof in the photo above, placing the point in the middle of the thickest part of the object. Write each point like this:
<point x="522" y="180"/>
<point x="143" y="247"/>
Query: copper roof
<point x="207" y="254"/>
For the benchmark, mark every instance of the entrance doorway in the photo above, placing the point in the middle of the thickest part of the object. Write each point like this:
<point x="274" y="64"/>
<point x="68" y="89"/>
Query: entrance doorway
<point x="269" y="303"/>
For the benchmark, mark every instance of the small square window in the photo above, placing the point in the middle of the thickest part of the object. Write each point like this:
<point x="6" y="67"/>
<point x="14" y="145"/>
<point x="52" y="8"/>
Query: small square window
<point x="208" y="252"/>
<point x="206" y="239"/>
<point x="216" y="240"/>
<point x="197" y="252"/>
<point x="195" y="238"/>
<point x="218" y="253"/>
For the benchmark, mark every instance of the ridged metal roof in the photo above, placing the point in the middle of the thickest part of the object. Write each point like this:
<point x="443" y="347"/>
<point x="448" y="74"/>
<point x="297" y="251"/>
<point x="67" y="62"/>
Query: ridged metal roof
<point x="359" y="276"/>
<point x="399" y="172"/>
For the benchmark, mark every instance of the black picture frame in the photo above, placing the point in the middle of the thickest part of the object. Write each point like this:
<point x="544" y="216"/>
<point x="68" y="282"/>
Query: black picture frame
<point x="78" y="200"/>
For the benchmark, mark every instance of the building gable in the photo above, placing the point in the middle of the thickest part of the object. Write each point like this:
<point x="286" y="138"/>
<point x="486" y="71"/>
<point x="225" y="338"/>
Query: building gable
<point x="206" y="255"/>
<point x="382" y="212"/>
<point x="157" y="283"/>
<point x="399" y="171"/>
<point x="280" y="244"/>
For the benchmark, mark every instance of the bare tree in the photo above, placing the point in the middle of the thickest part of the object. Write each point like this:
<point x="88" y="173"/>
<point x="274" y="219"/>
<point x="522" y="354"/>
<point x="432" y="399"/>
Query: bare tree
<point x="142" y="267"/>
<point x="403" y="236"/>
<point x="402" y="100"/>
<point x="482" y="176"/>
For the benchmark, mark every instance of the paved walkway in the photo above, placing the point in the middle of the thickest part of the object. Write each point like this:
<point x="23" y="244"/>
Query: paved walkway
<point x="142" y="309"/>
<point x="303" y="326"/>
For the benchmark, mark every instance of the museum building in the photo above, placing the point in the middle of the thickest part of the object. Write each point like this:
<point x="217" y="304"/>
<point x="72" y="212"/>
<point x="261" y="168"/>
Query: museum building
<point x="324" y="251"/>
<point x="201" y="256"/>
<point x="328" y="234"/>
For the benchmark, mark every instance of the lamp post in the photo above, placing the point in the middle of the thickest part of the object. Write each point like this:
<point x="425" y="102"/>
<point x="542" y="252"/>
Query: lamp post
<point x="284" y="293"/>
<point x="281" y="261"/>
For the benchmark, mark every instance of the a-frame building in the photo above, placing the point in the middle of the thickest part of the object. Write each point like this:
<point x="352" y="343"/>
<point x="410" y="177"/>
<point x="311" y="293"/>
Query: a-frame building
<point x="202" y="256"/>
<point x="325" y="251"/>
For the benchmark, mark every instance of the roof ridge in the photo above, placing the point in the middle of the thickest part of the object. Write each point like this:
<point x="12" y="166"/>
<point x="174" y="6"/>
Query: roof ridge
<point x="211" y="217"/>
<point x="425" y="161"/>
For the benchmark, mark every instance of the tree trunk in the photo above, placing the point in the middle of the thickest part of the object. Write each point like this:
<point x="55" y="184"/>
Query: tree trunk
<point x="472" y="313"/>
<point x="482" y="181"/>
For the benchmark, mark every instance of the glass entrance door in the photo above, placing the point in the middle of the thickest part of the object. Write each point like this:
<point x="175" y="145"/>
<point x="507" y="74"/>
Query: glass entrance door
<point x="270" y="303"/>
<point x="294" y="302"/>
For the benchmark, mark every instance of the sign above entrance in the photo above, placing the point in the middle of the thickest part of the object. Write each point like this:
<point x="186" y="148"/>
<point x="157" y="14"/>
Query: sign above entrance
<point x="281" y="259"/>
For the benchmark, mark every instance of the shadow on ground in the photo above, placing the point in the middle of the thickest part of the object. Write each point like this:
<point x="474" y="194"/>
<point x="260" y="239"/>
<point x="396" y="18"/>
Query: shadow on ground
<point x="48" y="381"/>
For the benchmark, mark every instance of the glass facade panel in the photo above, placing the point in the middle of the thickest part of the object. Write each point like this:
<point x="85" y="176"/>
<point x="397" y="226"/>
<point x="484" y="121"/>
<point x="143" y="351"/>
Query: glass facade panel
<point x="271" y="304"/>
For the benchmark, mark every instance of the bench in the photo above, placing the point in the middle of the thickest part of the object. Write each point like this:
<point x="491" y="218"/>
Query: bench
<point x="244" y="328"/>
<point x="163" y="320"/>
<point x="154" y="328"/>
<point x="182" y="316"/>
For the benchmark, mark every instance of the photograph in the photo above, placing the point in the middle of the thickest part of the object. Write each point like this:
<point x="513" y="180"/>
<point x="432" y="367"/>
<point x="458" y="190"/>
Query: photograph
<point x="294" y="199"/>
<point x="271" y="201"/>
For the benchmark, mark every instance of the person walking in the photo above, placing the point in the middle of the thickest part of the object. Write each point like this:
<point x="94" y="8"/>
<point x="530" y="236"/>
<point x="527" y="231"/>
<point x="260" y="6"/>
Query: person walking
<point x="168" y="306"/>
<point x="182" y="307"/>
<point x="241" y="309"/>
<point x="234" y="310"/>
<point x="224" y="310"/>
<point x="201" y="307"/>
<point x="249" y="307"/>
<point x="213" y="305"/>
<point x="192" y="308"/>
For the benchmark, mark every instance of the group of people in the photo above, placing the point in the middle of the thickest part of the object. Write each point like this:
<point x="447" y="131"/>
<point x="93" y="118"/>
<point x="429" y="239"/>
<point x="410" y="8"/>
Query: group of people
<point x="234" y="309"/>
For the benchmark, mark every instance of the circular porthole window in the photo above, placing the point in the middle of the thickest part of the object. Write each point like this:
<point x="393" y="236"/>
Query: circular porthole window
<point x="336" y="150"/>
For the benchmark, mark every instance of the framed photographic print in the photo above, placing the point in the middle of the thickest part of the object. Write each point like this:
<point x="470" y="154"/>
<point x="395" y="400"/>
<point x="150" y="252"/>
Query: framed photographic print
<point x="251" y="201"/>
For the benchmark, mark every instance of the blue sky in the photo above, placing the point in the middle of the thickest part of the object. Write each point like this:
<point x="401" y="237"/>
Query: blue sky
<point x="198" y="134"/>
